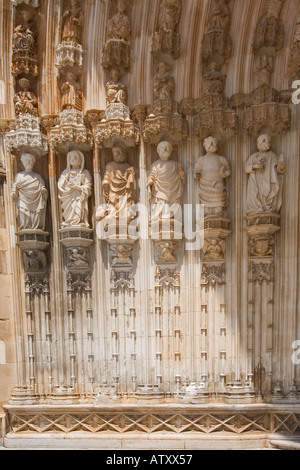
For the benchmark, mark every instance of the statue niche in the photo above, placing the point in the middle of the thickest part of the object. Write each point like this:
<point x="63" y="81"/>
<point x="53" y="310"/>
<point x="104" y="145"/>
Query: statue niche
<point x="24" y="58"/>
<point x="165" y="39"/>
<point x="265" y="169"/>
<point x="211" y="171"/>
<point x="116" y="51"/>
<point x="69" y="54"/>
<point x="25" y="101"/>
<point x="116" y="97"/>
<point x="74" y="189"/>
<point x="30" y="196"/>
<point x="71" y="94"/>
<point x="119" y="190"/>
<point x="73" y="20"/>
<point x="166" y="187"/>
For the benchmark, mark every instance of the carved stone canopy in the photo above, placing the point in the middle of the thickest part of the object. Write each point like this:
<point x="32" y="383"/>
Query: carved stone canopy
<point x="71" y="131"/>
<point x="33" y="3"/>
<point x="27" y="137"/>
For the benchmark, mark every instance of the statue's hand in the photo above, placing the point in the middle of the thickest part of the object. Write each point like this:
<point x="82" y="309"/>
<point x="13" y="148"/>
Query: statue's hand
<point x="281" y="168"/>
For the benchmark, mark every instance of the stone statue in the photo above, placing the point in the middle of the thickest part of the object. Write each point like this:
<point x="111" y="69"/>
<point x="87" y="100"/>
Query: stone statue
<point x="119" y="186"/>
<point x="166" y="249"/>
<point x="211" y="171"/>
<point x="164" y="83"/>
<point x="71" y="95"/>
<point x="116" y="92"/>
<point x="122" y="255"/>
<point x="25" y="101"/>
<point x="169" y="14"/>
<point x="213" y="79"/>
<point x="75" y="188"/>
<point x="220" y="18"/>
<point x="165" y="184"/>
<point x="214" y="249"/>
<point x="30" y="196"/>
<point x="297" y="31"/>
<point x="34" y="260"/>
<point x="264" y="193"/>
<point x="273" y="8"/>
<point x="73" y="20"/>
<point x="119" y="27"/>
<point x="77" y="258"/>
<point x="264" y="70"/>
<point x="25" y="33"/>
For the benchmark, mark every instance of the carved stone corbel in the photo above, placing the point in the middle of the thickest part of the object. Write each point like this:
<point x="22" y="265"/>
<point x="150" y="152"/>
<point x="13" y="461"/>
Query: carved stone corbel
<point x="216" y="231"/>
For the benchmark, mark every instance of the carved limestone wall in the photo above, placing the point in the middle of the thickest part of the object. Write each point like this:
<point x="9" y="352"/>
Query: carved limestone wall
<point x="150" y="170"/>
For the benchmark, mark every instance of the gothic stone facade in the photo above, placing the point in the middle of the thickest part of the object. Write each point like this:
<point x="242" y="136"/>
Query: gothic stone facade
<point x="149" y="227"/>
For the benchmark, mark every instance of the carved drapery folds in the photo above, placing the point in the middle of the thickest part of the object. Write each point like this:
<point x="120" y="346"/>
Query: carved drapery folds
<point x="166" y="39"/>
<point x="154" y="283"/>
<point x="211" y="171"/>
<point x="116" y="51"/>
<point x="264" y="200"/>
<point x="30" y="195"/>
<point x="119" y="191"/>
<point x="166" y="186"/>
<point x="69" y="54"/>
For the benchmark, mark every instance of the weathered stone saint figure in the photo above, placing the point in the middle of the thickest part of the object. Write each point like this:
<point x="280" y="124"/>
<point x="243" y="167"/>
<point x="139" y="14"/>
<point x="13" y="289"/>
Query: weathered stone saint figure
<point x="211" y="171"/>
<point x="30" y="196"/>
<point x="119" y="187"/>
<point x="169" y="14"/>
<point x="166" y="185"/>
<point x="264" y="192"/>
<point x="25" y="100"/>
<point x="119" y="27"/>
<point x="71" y="96"/>
<point x="73" y="20"/>
<point x="24" y="33"/>
<point x="116" y="91"/>
<point x="75" y="188"/>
